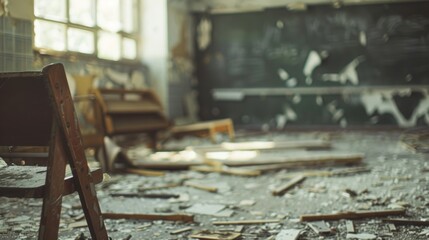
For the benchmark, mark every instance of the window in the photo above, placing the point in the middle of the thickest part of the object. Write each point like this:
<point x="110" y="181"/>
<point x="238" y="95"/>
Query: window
<point x="106" y="29"/>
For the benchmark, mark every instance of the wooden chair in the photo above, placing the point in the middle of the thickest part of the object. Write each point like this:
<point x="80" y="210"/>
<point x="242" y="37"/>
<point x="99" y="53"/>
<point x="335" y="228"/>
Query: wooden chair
<point x="36" y="109"/>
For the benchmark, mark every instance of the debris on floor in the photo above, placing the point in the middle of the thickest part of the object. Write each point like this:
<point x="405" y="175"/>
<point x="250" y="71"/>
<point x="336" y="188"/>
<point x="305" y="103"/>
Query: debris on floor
<point x="357" y="185"/>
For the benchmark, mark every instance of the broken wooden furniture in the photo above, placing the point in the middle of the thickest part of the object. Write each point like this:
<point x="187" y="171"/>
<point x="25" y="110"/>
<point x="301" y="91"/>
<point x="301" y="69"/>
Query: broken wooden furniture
<point x="88" y="113"/>
<point x="37" y="110"/>
<point x="131" y="112"/>
<point x="207" y="128"/>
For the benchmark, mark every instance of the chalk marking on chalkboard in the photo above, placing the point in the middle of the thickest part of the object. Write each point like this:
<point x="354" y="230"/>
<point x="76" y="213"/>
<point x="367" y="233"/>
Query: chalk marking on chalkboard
<point x="313" y="61"/>
<point x="291" y="82"/>
<point x="382" y="102"/>
<point x="348" y="73"/>
<point x="288" y="115"/>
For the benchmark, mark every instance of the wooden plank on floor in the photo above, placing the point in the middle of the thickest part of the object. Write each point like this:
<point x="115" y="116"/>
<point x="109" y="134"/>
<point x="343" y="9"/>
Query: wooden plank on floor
<point x="290" y="184"/>
<point x="166" y="217"/>
<point x="352" y="215"/>
<point x="264" y="162"/>
<point x="246" y="222"/>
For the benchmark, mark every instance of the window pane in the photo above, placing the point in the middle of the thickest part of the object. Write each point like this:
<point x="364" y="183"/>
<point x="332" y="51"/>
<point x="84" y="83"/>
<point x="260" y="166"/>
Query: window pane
<point x="109" y="45"/>
<point x="129" y="8"/>
<point x="82" y="12"/>
<point x="80" y="40"/>
<point x="50" y="35"/>
<point x="129" y="48"/>
<point x="55" y="10"/>
<point x="108" y="16"/>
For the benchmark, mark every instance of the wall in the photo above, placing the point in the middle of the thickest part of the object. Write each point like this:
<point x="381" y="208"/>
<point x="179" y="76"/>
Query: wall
<point x="181" y="84"/>
<point x="154" y="38"/>
<point x="351" y="65"/>
<point x="16" y="52"/>
<point x="235" y="6"/>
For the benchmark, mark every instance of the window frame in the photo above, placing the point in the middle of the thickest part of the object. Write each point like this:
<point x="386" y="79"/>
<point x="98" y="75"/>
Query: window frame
<point x="94" y="30"/>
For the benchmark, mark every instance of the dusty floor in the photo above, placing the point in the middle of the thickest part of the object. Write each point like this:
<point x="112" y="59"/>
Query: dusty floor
<point x="399" y="178"/>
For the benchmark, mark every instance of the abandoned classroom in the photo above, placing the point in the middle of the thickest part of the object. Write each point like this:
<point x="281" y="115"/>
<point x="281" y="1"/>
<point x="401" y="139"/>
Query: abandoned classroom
<point x="214" y="119"/>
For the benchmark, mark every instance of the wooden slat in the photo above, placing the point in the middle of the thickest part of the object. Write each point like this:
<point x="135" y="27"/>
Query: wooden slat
<point x="130" y="107"/>
<point x="263" y="163"/>
<point x="351" y="215"/>
<point x="263" y="146"/>
<point x="169" y="217"/>
<point x="29" y="181"/>
<point x="54" y="188"/>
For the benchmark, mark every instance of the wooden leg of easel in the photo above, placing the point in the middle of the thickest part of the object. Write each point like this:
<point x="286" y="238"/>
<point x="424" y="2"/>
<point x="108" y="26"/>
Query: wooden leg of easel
<point x="51" y="210"/>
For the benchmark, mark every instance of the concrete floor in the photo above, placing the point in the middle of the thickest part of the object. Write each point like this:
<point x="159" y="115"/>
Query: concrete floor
<point x="399" y="178"/>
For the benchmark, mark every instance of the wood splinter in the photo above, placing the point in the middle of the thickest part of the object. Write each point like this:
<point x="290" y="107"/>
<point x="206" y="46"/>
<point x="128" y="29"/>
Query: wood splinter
<point x="283" y="189"/>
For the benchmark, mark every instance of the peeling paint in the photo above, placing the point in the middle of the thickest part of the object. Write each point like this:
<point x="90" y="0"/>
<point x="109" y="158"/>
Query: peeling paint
<point x="2" y="8"/>
<point x="281" y="121"/>
<point x="117" y="77"/>
<point x="362" y="38"/>
<point x="313" y="60"/>
<point x="204" y="30"/>
<point x="383" y="102"/>
<point x="319" y="100"/>
<point x="180" y="50"/>
<point x="343" y="123"/>
<point x="283" y="74"/>
<point x="296" y="99"/>
<point x="349" y="73"/>
<point x="280" y="24"/>
<point x="337" y="115"/>
<point x="292" y="82"/>
<point x="288" y="115"/>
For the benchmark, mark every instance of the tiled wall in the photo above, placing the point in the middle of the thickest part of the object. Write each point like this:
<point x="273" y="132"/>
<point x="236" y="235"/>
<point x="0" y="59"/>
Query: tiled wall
<point x="16" y="45"/>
